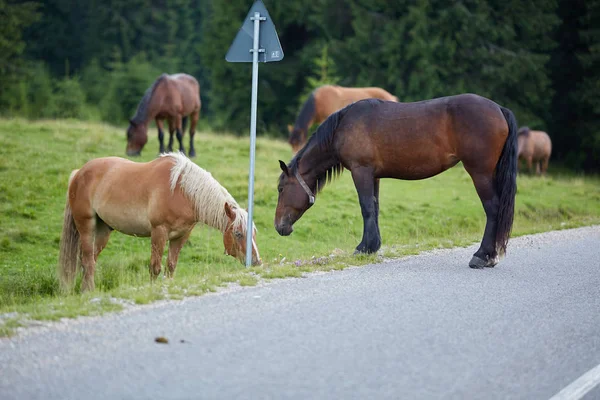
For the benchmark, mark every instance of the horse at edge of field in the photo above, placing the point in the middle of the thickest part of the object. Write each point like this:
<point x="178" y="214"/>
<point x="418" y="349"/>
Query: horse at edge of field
<point x="172" y="98"/>
<point x="324" y="101"/>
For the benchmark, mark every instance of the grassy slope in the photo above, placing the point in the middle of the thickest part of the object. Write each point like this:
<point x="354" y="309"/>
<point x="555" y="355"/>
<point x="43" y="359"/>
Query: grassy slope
<point x="37" y="157"/>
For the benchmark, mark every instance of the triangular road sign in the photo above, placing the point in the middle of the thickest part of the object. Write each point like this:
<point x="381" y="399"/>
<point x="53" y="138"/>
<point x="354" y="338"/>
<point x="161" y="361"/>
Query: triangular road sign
<point x="268" y="39"/>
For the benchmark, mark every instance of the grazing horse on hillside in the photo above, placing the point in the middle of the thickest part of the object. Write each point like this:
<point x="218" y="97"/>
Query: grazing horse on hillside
<point x="323" y="102"/>
<point x="534" y="147"/>
<point x="163" y="199"/>
<point x="376" y="139"/>
<point x="171" y="97"/>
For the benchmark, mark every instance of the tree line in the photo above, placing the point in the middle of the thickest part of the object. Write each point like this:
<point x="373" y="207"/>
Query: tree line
<point x="95" y="59"/>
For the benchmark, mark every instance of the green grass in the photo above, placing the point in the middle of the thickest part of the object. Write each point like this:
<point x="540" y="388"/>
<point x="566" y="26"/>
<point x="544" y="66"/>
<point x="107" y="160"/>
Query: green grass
<point x="36" y="159"/>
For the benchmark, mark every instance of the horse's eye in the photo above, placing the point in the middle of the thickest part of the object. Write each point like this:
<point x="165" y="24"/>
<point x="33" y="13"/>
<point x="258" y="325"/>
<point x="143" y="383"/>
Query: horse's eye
<point x="238" y="234"/>
<point x="280" y="189"/>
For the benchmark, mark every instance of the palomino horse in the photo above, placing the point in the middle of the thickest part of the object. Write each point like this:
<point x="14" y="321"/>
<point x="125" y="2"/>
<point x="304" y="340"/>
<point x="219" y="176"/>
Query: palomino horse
<point x="163" y="199"/>
<point x="323" y="102"/>
<point x="171" y="97"/>
<point x="376" y="139"/>
<point x="535" y="147"/>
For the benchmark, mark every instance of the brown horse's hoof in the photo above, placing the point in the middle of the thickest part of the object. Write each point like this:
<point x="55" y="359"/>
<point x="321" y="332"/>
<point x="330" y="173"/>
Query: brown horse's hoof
<point x="477" y="263"/>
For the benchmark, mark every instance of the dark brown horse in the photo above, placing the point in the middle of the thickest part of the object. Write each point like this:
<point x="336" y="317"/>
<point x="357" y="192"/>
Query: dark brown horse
<point x="376" y="139"/>
<point x="171" y="97"/>
<point x="323" y="102"/>
<point x="535" y="147"/>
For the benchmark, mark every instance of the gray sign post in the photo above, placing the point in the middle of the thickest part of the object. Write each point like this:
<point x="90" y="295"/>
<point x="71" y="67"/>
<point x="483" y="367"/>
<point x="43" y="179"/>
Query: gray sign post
<point x="252" y="40"/>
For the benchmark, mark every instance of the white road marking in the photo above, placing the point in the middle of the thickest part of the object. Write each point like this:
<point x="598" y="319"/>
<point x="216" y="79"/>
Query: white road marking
<point x="581" y="386"/>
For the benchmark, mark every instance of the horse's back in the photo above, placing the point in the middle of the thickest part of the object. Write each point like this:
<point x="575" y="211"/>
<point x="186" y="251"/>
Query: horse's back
<point x="420" y="139"/>
<point x="542" y="144"/>
<point x="185" y="89"/>
<point x="331" y="98"/>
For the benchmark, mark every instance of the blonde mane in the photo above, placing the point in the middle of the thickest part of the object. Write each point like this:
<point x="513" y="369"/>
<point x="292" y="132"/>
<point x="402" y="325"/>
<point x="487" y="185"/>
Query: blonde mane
<point x="206" y="193"/>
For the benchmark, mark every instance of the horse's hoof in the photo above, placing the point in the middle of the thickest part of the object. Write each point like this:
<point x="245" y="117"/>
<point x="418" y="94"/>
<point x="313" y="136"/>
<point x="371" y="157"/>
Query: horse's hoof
<point x="192" y="154"/>
<point x="477" y="263"/>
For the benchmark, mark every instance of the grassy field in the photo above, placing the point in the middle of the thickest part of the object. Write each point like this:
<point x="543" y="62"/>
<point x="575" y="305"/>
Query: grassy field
<point x="37" y="157"/>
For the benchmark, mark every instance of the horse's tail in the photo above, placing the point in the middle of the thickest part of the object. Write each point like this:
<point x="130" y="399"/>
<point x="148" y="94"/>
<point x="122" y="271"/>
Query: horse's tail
<point x="506" y="183"/>
<point x="307" y="113"/>
<point x="69" y="246"/>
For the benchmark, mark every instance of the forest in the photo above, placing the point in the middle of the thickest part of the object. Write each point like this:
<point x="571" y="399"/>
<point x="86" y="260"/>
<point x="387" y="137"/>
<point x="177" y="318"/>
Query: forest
<point x="93" y="60"/>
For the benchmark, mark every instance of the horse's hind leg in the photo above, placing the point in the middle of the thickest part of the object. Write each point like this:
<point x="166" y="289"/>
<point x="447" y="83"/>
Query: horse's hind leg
<point x="175" y="246"/>
<point x="544" y="166"/>
<point x="102" y="235"/>
<point x="171" y="124"/>
<point x="158" y="238"/>
<point x="486" y="256"/>
<point x="179" y="133"/>
<point x="194" y="122"/>
<point x="86" y="228"/>
<point x="365" y="186"/>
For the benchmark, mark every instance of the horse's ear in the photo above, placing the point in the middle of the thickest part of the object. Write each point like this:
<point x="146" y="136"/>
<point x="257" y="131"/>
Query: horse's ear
<point x="290" y="128"/>
<point x="229" y="211"/>
<point x="284" y="168"/>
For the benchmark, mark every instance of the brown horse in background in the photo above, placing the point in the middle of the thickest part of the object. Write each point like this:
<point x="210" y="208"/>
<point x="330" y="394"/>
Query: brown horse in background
<point x="535" y="147"/>
<point x="163" y="199"/>
<point x="171" y="97"/>
<point x="375" y="139"/>
<point x="323" y="102"/>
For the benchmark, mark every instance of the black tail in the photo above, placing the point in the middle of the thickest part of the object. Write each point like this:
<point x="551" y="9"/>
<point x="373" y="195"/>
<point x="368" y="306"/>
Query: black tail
<point x="307" y="112"/>
<point x="506" y="183"/>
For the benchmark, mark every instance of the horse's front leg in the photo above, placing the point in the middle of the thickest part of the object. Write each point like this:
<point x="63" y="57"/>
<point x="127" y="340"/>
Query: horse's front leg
<point x="158" y="238"/>
<point x="175" y="246"/>
<point x="161" y="136"/>
<point x="366" y="186"/>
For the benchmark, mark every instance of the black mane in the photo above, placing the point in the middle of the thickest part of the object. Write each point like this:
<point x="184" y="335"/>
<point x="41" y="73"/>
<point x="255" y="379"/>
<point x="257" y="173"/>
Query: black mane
<point x="323" y="139"/>
<point x="141" y="114"/>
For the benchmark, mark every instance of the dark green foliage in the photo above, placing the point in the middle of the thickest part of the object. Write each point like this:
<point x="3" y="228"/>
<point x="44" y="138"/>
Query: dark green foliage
<point x="538" y="57"/>
<point x="69" y="100"/>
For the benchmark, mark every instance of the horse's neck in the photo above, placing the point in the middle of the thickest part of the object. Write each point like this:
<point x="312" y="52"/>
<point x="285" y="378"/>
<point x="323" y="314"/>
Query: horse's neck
<point x="315" y="161"/>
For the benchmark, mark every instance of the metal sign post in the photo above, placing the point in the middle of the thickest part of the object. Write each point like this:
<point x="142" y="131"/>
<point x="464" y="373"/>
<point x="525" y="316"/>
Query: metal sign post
<point x="241" y="51"/>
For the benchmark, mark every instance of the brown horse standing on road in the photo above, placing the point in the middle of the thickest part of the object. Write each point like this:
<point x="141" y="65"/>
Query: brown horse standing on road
<point x="323" y="102"/>
<point x="376" y="139"/>
<point x="535" y="147"/>
<point x="164" y="199"/>
<point x="171" y="97"/>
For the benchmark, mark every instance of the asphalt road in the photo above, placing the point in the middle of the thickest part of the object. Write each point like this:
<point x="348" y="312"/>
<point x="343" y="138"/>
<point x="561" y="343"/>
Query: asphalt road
<point x="424" y="327"/>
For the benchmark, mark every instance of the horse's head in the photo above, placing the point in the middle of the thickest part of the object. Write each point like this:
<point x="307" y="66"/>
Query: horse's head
<point x="137" y="136"/>
<point x="234" y="236"/>
<point x="295" y="197"/>
<point x="296" y="138"/>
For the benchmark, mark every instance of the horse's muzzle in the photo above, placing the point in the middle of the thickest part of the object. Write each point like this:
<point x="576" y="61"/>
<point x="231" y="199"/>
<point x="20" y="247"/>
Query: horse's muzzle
<point x="134" y="153"/>
<point x="284" y="229"/>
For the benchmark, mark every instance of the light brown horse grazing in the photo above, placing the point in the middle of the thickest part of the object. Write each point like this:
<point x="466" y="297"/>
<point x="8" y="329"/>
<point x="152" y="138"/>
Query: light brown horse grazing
<point x="323" y="102"/>
<point x="376" y="139"/>
<point x="163" y="199"/>
<point x="171" y="97"/>
<point x="535" y="147"/>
